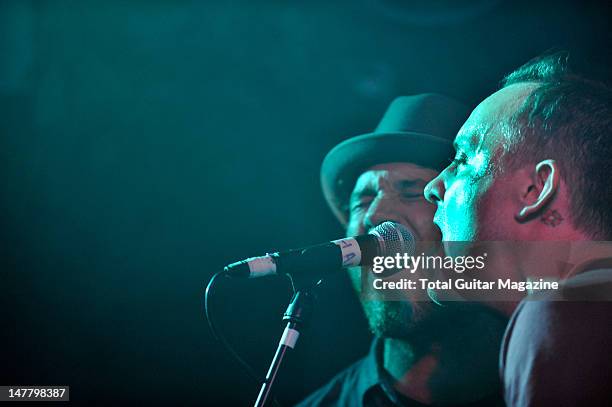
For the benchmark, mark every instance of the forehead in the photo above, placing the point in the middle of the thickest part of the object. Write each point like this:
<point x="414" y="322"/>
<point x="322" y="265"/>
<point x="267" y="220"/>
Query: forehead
<point x="491" y="116"/>
<point x="392" y="172"/>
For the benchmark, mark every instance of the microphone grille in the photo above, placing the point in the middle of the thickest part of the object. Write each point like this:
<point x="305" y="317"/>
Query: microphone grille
<point x="394" y="238"/>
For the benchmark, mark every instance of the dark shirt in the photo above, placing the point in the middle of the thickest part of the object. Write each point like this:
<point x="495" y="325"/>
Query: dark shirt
<point x="367" y="383"/>
<point x="557" y="350"/>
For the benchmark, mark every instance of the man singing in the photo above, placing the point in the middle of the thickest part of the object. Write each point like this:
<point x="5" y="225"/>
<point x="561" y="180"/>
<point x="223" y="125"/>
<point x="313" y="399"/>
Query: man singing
<point x="422" y="354"/>
<point x="533" y="164"/>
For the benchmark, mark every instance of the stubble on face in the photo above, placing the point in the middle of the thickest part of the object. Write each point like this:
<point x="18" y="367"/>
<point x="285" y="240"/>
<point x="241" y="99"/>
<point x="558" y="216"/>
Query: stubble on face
<point x="476" y="191"/>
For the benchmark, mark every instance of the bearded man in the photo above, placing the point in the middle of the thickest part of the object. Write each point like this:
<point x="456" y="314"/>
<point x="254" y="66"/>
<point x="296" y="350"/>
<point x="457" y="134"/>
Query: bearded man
<point x="422" y="353"/>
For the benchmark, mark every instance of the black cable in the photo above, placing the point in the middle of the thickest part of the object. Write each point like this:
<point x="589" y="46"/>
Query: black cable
<point x="218" y="335"/>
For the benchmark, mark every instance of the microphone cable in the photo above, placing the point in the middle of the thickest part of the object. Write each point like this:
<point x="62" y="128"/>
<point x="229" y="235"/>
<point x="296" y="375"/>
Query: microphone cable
<point x="218" y="335"/>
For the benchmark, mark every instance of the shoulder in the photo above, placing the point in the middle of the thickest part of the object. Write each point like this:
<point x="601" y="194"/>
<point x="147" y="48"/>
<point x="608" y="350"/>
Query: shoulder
<point x="555" y="348"/>
<point x="578" y="307"/>
<point x="342" y="390"/>
<point x="550" y="325"/>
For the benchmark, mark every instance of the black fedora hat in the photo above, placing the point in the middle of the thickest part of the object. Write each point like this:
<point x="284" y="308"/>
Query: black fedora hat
<point x="418" y="129"/>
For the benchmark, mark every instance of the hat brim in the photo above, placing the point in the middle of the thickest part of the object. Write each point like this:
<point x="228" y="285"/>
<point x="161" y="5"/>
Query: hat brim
<point x="345" y="162"/>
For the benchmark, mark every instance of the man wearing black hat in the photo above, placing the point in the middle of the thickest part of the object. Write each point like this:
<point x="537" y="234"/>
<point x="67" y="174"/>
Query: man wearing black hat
<point x="422" y="354"/>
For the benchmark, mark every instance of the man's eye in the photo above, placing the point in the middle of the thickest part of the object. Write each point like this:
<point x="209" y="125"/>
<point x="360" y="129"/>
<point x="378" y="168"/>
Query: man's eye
<point x="459" y="159"/>
<point x="412" y="195"/>
<point x="359" y="205"/>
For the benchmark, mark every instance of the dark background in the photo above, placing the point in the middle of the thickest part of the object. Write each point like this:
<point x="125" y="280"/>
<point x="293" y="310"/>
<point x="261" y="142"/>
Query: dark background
<point x="146" y="144"/>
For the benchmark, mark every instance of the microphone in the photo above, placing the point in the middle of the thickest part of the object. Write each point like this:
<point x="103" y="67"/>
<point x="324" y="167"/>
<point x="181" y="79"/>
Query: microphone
<point x="386" y="239"/>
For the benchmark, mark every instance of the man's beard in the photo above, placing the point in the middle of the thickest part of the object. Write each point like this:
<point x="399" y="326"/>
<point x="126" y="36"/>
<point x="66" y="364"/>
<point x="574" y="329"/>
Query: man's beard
<point x="396" y="318"/>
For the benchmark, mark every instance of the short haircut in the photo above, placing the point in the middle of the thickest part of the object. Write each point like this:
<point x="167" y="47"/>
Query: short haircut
<point x="569" y="119"/>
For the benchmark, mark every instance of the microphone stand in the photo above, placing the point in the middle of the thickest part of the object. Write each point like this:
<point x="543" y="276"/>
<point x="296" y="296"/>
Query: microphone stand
<point x="296" y="315"/>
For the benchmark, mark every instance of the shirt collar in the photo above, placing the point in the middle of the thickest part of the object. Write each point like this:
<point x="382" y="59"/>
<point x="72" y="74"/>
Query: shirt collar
<point x="374" y="373"/>
<point x="592" y="264"/>
<point x="373" y="377"/>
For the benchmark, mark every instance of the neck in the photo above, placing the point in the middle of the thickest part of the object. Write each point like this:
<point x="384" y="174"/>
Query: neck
<point x="547" y="259"/>
<point x="437" y="373"/>
<point x="560" y="259"/>
<point x="584" y="252"/>
<point x="411" y="371"/>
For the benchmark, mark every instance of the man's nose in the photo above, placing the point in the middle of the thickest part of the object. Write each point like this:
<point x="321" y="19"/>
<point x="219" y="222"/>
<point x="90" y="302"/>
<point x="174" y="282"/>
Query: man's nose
<point x="434" y="190"/>
<point x="381" y="209"/>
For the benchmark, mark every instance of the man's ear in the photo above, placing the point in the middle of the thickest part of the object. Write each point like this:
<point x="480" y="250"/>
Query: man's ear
<point x="541" y="191"/>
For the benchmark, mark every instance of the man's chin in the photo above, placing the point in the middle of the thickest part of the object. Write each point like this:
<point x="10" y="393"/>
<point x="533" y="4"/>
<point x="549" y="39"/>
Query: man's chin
<point x="395" y="319"/>
<point x="409" y="321"/>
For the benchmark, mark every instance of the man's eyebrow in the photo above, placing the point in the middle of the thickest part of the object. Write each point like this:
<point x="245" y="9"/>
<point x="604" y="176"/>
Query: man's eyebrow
<point x="358" y="193"/>
<point x="409" y="183"/>
<point x="466" y="141"/>
<point x="462" y="145"/>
